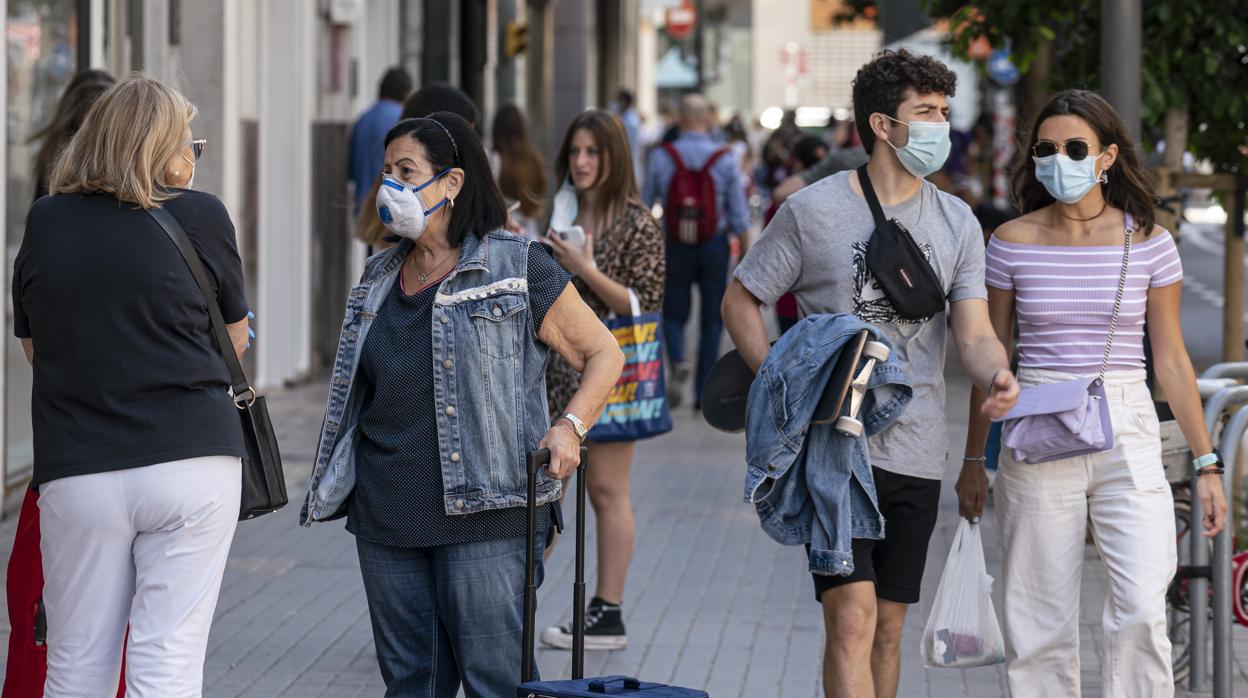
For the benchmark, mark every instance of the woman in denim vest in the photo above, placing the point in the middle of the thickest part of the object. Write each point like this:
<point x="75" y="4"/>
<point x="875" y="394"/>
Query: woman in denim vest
<point x="437" y="397"/>
<point x="623" y="253"/>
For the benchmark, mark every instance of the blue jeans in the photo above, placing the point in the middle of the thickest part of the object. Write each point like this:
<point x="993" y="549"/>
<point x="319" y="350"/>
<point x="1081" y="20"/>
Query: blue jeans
<point x="992" y="448"/>
<point x="447" y="615"/>
<point x="706" y="265"/>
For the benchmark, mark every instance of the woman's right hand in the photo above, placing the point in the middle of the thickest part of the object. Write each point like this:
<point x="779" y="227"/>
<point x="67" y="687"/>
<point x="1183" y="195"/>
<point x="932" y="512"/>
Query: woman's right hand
<point x="565" y="449"/>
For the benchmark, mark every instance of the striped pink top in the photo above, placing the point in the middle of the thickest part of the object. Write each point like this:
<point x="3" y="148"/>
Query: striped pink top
<point x="1064" y="299"/>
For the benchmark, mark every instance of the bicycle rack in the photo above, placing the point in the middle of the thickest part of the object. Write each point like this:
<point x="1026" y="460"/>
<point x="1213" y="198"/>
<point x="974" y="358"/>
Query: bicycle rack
<point x="1232" y="435"/>
<point x="1198" y="600"/>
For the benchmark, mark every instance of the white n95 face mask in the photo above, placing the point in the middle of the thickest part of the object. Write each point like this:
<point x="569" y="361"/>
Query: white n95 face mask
<point x="402" y="208"/>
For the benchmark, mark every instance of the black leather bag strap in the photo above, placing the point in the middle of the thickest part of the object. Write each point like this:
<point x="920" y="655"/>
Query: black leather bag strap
<point x="238" y="380"/>
<point x="868" y="193"/>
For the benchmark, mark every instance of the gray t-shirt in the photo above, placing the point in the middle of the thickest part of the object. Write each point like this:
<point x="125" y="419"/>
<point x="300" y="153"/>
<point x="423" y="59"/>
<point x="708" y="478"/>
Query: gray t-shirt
<point x="816" y="247"/>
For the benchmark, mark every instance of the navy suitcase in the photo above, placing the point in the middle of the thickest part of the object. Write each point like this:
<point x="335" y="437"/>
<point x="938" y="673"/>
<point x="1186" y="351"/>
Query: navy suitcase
<point x="578" y="686"/>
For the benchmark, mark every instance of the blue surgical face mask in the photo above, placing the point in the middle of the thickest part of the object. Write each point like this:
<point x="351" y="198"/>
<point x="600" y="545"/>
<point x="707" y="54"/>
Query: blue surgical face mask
<point x="402" y="208"/>
<point x="927" y="149"/>
<point x="1068" y="180"/>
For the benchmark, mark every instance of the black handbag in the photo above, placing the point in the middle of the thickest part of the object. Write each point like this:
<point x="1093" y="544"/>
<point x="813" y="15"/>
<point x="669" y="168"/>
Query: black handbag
<point x="898" y="265"/>
<point x="264" y="483"/>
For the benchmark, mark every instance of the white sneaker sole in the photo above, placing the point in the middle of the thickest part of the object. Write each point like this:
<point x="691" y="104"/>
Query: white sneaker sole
<point x="554" y="637"/>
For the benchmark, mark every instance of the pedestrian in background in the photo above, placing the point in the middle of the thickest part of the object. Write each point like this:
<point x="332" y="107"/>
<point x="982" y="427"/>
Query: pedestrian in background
<point x="625" y="107"/>
<point x="71" y="110"/>
<point x="816" y="247"/>
<point x="841" y="156"/>
<point x="137" y="442"/>
<point x="438" y="397"/>
<point x="623" y="253"/>
<point x="27" y="666"/>
<point x="703" y="259"/>
<point x="521" y="171"/>
<point x="1087" y="220"/>
<point x="366" y="150"/>
<point x="436" y="96"/>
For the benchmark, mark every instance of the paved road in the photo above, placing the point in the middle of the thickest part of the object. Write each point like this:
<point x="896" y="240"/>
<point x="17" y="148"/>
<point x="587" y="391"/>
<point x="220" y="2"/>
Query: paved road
<point x="712" y="602"/>
<point x="1202" y="252"/>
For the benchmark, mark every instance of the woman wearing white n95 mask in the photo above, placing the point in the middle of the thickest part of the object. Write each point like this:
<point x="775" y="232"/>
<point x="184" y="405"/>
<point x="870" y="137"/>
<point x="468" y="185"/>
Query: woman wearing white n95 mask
<point x="1083" y="269"/>
<point x="438" y="395"/>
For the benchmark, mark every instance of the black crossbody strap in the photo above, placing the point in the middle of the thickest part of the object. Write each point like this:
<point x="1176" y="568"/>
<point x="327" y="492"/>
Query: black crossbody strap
<point x="868" y="193"/>
<point x="172" y="228"/>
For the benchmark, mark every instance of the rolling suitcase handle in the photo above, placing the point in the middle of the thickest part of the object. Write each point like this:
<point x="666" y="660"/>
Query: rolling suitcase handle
<point x="536" y="461"/>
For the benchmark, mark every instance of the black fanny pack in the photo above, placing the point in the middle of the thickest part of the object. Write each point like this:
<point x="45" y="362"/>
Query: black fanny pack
<point x="898" y="265"/>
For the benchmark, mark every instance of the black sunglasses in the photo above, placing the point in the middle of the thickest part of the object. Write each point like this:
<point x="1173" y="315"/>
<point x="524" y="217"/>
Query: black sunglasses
<point x="1075" y="149"/>
<point x="198" y="145"/>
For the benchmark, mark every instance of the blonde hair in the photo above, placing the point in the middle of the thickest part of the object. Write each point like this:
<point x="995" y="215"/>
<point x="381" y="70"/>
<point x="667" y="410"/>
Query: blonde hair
<point x="126" y="142"/>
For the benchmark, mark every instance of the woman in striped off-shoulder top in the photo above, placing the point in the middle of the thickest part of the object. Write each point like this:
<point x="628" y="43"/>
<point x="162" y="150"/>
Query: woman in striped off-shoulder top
<point x="1056" y="270"/>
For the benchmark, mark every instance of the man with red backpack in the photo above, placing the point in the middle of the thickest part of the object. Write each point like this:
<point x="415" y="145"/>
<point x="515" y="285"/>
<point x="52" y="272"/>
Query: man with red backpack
<point x="696" y="181"/>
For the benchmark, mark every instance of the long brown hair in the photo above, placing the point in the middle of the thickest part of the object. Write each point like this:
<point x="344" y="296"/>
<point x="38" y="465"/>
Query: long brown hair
<point x="521" y="171"/>
<point x="1129" y="187"/>
<point x="616" y="185"/>
<point x="79" y="95"/>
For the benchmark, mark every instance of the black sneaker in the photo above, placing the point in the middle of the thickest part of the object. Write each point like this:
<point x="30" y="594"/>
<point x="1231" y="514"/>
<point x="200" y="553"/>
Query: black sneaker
<point x="604" y="629"/>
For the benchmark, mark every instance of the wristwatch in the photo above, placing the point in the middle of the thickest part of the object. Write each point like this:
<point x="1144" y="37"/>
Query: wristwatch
<point x="577" y="425"/>
<point x="1211" y="458"/>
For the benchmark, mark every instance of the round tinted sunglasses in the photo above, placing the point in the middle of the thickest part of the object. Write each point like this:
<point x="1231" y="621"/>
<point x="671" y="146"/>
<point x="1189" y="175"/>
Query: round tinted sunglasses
<point x="1075" y="149"/>
<point x="198" y="145"/>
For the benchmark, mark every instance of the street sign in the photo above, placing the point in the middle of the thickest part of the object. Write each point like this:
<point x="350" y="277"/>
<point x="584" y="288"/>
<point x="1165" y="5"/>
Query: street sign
<point x="681" y="21"/>
<point x="1002" y="69"/>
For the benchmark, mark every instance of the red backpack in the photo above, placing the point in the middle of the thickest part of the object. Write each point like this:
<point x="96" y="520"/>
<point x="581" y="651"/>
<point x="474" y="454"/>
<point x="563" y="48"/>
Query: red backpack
<point x="689" y="212"/>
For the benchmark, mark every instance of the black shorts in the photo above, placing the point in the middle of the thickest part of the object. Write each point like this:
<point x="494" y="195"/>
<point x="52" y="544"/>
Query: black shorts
<point x="895" y="563"/>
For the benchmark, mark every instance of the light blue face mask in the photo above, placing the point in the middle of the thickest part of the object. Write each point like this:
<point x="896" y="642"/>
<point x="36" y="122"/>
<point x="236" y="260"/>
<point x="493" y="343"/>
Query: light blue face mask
<point x="927" y="149"/>
<point x="1068" y="180"/>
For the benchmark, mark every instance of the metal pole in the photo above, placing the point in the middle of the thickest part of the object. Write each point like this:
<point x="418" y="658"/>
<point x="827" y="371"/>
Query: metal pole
<point x="1198" y="591"/>
<point x="698" y="42"/>
<point x="540" y="69"/>
<point x="1233" y="276"/>
<point x="1222" y="553"/>
<point x="1122" y="23"/>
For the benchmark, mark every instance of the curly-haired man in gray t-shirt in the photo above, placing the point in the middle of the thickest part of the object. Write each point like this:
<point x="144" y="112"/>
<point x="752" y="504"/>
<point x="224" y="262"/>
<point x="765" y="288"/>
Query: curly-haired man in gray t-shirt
<point x="816" y="248"/>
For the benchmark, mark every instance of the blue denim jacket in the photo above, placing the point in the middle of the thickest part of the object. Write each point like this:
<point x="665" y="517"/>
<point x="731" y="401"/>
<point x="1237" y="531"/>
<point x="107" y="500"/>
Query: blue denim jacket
<point x="808" y="483"/>
<point x="489" y="376"/>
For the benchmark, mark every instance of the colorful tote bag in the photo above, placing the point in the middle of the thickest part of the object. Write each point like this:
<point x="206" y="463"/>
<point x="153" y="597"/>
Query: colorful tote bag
<point x="637" y="408"/>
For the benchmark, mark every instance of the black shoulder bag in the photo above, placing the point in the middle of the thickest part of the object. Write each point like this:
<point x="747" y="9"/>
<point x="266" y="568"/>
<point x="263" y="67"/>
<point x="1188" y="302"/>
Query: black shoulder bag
<point x="264" y="483"/>
<point x="899" y="266"/>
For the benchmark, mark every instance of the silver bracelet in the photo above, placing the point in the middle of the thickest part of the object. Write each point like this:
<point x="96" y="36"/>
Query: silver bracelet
<point x="974" y="459"/>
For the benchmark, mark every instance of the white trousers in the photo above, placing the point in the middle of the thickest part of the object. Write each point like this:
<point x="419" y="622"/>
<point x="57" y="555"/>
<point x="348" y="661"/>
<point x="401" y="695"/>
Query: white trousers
<point x="1044" y="510"/>
<point x="146" y="546"/>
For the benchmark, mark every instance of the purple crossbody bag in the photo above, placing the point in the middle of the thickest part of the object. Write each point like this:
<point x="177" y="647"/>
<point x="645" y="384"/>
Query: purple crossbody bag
<point x="1068" y="418"/>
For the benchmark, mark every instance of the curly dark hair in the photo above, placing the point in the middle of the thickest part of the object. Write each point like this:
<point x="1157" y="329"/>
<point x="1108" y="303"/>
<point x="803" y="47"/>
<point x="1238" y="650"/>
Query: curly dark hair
<point x="881" y="85"/>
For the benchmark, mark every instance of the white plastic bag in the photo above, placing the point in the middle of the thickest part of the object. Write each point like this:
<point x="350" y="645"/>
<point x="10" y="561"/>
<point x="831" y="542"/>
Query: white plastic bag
<point x="962" y="630"/>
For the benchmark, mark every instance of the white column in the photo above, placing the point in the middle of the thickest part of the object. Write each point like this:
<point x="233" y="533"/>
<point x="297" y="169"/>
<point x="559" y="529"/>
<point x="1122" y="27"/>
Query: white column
<point x="156" y="52"/>
<point x="287" y="93"/>
<point x="98" y="31"/>
<point x="8" y="345"/>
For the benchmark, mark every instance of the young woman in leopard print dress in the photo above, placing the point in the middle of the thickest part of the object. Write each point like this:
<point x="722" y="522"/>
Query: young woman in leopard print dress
<point x="624" y="251"/>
